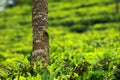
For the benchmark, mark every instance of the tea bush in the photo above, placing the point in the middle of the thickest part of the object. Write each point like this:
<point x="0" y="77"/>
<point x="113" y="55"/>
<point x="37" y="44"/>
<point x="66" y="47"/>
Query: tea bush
<point x="84" y="38"/>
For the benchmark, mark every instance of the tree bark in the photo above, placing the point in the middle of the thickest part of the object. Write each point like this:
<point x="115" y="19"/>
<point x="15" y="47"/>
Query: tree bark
<point x="40" y="36"/>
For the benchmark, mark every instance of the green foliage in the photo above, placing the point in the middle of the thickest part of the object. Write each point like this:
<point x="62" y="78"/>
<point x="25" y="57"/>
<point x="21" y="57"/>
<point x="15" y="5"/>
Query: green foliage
<point x="84" y="42"/>
<point x="21" y="2"/>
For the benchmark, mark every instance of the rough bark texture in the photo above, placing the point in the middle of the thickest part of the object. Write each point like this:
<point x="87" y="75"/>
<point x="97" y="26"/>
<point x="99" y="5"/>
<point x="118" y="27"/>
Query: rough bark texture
<point x="40" y="36"/>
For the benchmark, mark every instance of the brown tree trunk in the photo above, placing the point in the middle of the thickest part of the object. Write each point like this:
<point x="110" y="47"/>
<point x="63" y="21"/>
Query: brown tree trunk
<point x="40" y="36"/>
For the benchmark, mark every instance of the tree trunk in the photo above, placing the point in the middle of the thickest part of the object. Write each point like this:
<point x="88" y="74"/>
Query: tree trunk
<point x="40" y="36"/>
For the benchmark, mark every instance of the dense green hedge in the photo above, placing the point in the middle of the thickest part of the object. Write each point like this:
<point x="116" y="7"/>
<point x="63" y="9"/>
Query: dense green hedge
<point x="23" y="1"/>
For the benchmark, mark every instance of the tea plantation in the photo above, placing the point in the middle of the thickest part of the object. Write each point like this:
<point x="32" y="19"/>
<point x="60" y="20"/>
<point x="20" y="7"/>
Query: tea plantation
<point x="84" y="38"/>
